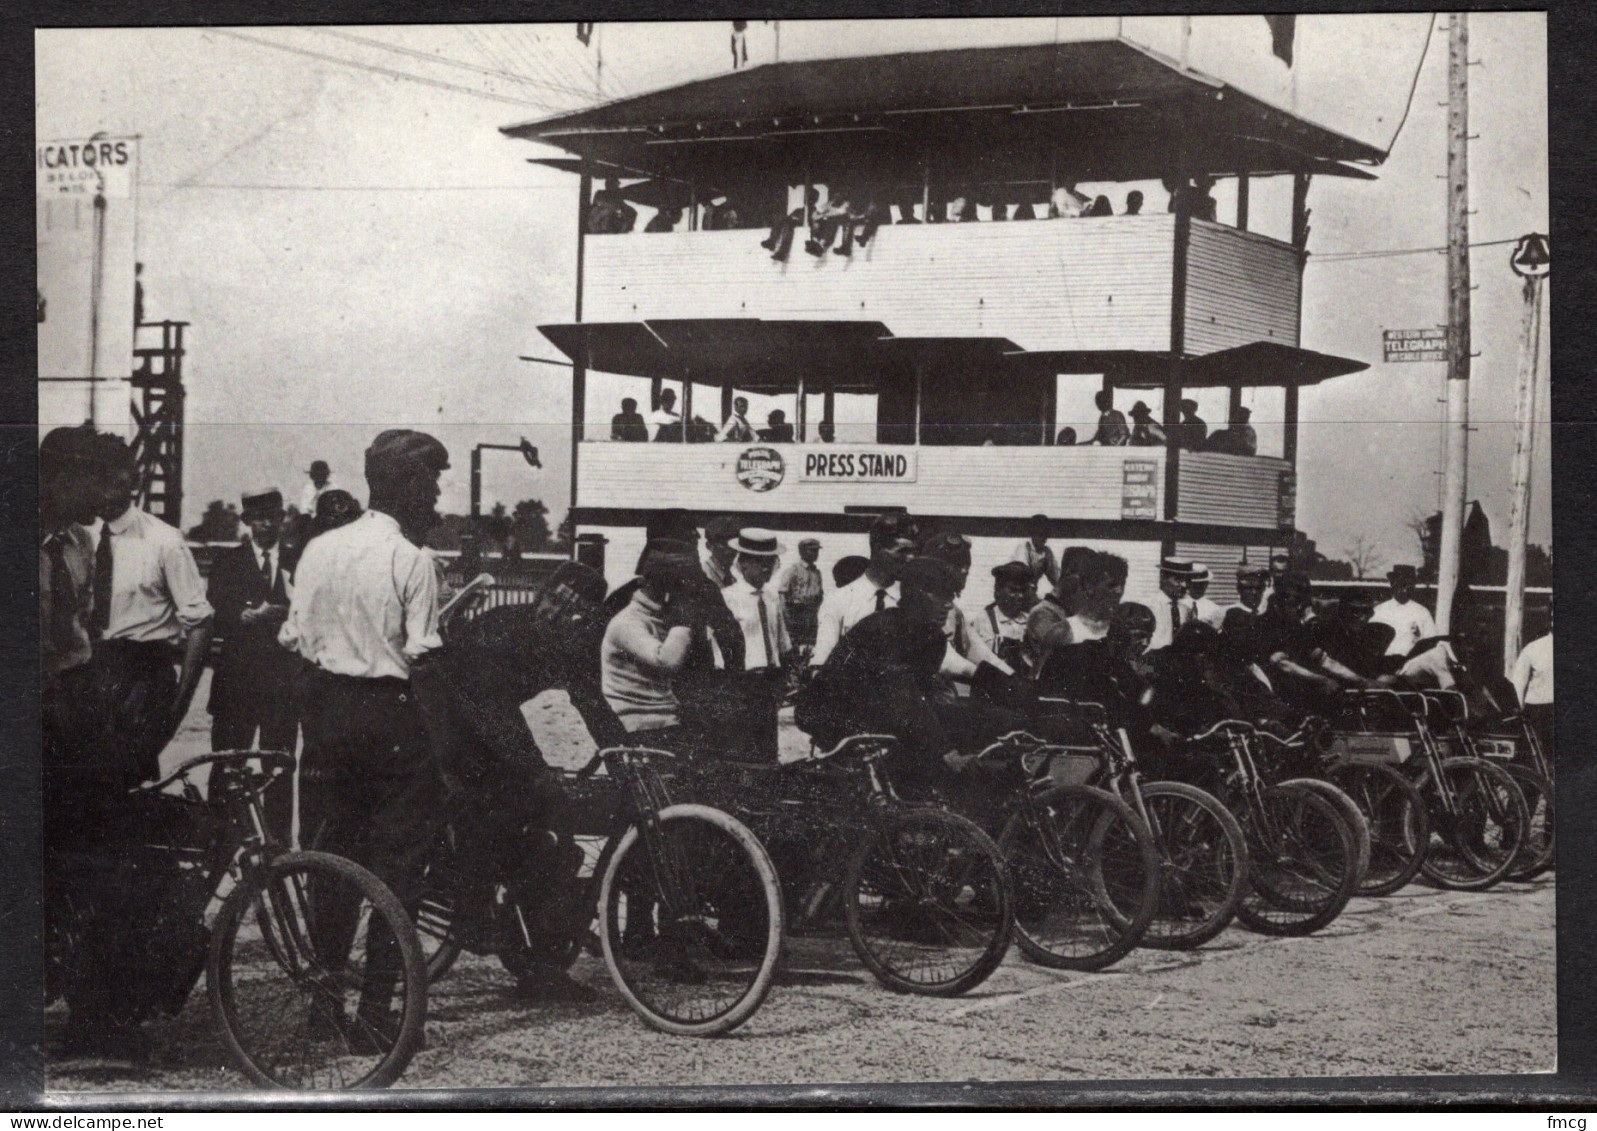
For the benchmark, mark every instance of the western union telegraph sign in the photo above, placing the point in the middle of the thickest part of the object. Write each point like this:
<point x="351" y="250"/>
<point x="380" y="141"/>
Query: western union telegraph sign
<point x="1415" y="345"/>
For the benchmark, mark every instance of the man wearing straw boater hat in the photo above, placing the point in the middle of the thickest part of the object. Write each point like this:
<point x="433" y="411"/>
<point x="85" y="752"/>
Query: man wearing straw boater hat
<point x="1204" y="609"/>
<point x="1173" y="608"/>
<point x="252" y="686"/>
<point x="767" y="647"/>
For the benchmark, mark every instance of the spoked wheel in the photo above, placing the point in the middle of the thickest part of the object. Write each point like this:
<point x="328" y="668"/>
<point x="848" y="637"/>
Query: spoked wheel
<point x="1537" y="850"/>
<point x="1356" y="821"/>
<point x="1302" y="863"/>
<point x="928" y="903"/>
<point x="1400" y="829"/>
<point x="1203" y="865"/>
<point x="1476" y="840"/>
<point x="1086" y="878"/>
<point x="316" y="978"/>
<point x="691" y="921"/>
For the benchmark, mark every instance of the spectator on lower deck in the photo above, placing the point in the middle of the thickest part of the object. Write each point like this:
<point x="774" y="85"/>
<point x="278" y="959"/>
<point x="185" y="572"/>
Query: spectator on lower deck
<point x="1239" y="439"/>
<point x="1112" y="431"/>
<point x="628" y="425"/>
<point x="1193" y="431"/>
<point x="736" y="429"/>
<point x="777" y="430"/>
<point x="1145" y="433"/>
<point x="609" y="213"/>
<point x="1133" y="203"/>
<point x="665" y="220"/>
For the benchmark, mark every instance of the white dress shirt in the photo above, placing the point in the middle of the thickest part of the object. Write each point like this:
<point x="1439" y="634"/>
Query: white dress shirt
<point x="310" y="493"/>
<point x="1533" y="672"/>
<point x="736" y="430"/>
<point x="156" y="591"/>
<point x="662" y="418"/>
<point x="1042" y="563"/>
<point x="1209" y="612"/>
<point x="1410" y="622"/>
<point x="1164" y="632"/>
<point x="365" y="601"/>
<point x="842" y="609"/>
<point x="758" y="639"/>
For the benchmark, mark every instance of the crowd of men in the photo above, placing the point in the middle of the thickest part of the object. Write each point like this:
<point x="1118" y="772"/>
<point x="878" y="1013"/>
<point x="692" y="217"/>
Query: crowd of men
<point x="402" y="715"/>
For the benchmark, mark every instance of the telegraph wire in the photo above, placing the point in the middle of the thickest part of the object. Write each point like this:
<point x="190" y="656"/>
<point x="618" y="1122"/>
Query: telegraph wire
<point x="1430" y="32"/>
<point x="444" y="60"/>
<point x="1345" y="256"/>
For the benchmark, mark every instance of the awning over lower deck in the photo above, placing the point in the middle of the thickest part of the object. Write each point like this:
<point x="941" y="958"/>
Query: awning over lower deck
<point x="771" y="356"/>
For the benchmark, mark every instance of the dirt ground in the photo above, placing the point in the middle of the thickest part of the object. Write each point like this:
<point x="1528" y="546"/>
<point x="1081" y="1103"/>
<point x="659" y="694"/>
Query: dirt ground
<point x="1421" y="982"/>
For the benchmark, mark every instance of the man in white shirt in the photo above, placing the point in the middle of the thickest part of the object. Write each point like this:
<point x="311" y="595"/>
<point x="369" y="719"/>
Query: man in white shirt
<point x="1035" y="554"/>
<point x="1173" y="608"/>
<point x="767" y="647"/>
<point x="737" y="429"/>
<point x="364" y="611"/>
<point x="151" y="621"/>
<point x="1209" y="612"/>
<point x="664" y="419"/>
<point x="1533" y="683"/>
<point x="1409" y="620"/>
<point x="321" y="482"/>
<point x="892" y="540"/>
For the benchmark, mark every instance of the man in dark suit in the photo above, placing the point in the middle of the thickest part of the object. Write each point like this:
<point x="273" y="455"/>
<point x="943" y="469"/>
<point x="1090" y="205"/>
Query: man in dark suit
<point x="251" y="687"/>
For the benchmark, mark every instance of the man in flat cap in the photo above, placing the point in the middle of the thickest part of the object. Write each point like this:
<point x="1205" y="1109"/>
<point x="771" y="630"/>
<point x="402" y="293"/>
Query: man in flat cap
<point x="252" y="686"/>
<point x="364" y="611"/>
<point x="1002" y="624"/>
<point x="802" y="589"/>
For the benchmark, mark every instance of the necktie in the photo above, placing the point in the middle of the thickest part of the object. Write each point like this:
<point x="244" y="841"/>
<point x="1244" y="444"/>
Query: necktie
<point x="63" y="598"/>
<point x="765" y="629"/>
<point x="266" y="568"/>
<point x="881" y="599"/>
<point x="1175" y="615"/>
<point x="102" y="582"/>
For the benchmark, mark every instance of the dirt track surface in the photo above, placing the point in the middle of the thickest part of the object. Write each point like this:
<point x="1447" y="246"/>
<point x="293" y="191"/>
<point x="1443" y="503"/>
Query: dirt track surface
<point x="1420" y="982"/>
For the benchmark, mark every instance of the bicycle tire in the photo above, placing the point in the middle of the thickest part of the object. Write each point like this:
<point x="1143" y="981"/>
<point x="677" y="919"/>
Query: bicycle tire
<point x="1084" y="892"/>
<point x="1400" y="828"/>
<point x="1475" y="848"/>
<point x="1356" y="819"/>
<point x="1203" y="865"/>
<point x="928" y="903"/>
<point x="298" y="905"/>
<point x="1536" y="853"/>
<point x="686" y="965"/>
<point x="1302" y="861"/>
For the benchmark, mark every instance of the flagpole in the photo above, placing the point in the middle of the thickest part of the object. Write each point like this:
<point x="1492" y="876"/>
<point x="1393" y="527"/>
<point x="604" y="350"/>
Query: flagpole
<point x="1524" y="449"/>
<point x="1456" y="469"/>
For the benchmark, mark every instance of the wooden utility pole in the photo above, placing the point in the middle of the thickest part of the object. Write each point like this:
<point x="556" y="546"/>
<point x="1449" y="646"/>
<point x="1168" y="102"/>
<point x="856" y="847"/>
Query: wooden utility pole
<point x="1455" y="473"/>
<point x="1530" y="343"/>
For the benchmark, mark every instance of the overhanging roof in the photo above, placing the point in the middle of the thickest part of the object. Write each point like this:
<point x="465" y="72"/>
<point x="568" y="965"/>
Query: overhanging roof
<point x="1112" y="110"/>
<point x="768" y="356"/>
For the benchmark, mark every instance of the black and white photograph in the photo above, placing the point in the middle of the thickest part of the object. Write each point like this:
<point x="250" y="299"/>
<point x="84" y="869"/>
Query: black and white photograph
<point x="795" y="552"/>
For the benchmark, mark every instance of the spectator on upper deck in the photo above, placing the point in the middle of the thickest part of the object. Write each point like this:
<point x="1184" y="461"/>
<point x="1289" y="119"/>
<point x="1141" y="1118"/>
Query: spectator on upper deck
<point x="1193" y="430"/>
<point x="778" y="430"/>
<point x="721" y="215"/>
<point x="1239" y="439"/>
<point x="609" y="213"/>
<point x="1100" y="207"/>
<point x="864" y="217"/>
<point x="1066" y="437"/>
<point x="1133" y="203"/>
<point x="906" y="207"/>
<point x="826" y="431"/>
<point x="665" y="420"/>
<point x="1066" y="202"/>
<point x="736" y="429"/>
<point x="827" y="219"/>
<point x="665" y="220"/>
<point x="1144" y="432"/>
<point x="1197" y="195"/>
<point x="780" y="241"/>
<point x="1112" y="431"/>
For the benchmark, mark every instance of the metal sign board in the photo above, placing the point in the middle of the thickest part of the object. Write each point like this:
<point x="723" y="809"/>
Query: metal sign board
<point x="1415" y="345"/>
<point x="831" y="465"/>
<point x="1139" y="489"/>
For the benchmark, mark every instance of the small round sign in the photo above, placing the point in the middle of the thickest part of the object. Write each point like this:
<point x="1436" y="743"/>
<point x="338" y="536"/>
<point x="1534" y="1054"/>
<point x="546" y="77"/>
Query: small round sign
<point x="1532" y="257"/>
<point x="760" y="469"/>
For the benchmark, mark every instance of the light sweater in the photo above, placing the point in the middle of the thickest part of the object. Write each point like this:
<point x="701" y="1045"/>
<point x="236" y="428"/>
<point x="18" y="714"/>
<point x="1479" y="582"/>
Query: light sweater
<point x="638" y="657"/>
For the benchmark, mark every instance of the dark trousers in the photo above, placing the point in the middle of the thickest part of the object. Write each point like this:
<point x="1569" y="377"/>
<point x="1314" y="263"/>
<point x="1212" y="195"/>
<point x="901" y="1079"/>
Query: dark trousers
<point x="753" y="735"/>
<point x="374" y="795"/>
<point x="801" y="624"/>
<point x="264" y="707"/>
<point x="135" y="692"/>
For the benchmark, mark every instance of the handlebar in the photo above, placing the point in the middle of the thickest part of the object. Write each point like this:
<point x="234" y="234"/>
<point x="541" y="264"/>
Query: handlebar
<point x="852" y="741"/>
<point x="1227" y="727"/>
<point x="273" y="762"/>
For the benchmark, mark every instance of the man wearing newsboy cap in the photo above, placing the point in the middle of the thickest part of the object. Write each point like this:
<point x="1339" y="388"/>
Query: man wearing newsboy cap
<point x="364" y="610"/>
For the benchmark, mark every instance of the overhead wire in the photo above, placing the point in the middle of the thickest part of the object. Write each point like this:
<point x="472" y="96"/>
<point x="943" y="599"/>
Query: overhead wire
<point x="444" y="60"/>
<point x="533" y="55"/>
<point x="1387" y="253"/>
<point x="388" y="72"/>
<point x="1430" y="33"/>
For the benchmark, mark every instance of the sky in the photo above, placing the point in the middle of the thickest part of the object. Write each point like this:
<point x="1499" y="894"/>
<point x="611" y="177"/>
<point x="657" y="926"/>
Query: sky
<point x="357" y="250"/>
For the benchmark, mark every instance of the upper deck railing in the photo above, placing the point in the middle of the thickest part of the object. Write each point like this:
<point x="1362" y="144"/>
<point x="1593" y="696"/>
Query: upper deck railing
<point x="1102" y="283"/>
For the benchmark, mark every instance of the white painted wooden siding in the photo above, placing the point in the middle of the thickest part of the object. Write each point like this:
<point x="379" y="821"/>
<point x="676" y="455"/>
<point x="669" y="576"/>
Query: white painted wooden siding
<point x="1241" y="287"/>
<point x="1234" y="490"/>
<point x="1100" y="284"/>
<point x="1078" y="482"/>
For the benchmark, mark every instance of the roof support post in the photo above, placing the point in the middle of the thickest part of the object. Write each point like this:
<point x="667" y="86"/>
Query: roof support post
<point x="800" y="410"/>
<point x="1232" y="405"/>
<point x="920" y="381"/>
<point x="656" y="387"/>
<point x="726" y="400"/>
<point x="1300" y="241"/>
<point x="1178" y="337"/>
<point x="1242" y="202"/>
<point x="687" y="403"/>
<point x="579" y="368"/>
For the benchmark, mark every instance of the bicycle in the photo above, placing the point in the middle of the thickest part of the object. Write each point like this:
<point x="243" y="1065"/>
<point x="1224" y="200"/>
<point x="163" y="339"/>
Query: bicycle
<point x="1478" y="815"/>
<point x="1302" y="855"/>
<point x="1085" y="867"/>
<point x="1503" y="746"/>
<point x="686" y="901"/>
<point x="1364" y="761"/>
<point x="298" y="939"/>
<point x="1203" y="854"/>
<point x="925" y="895"/>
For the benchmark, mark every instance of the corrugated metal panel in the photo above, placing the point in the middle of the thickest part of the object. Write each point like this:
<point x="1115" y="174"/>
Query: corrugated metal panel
<point x="1096" y="284"/>
<point x="1223" y="562"/>
<point x="1235" y="490"/>
<point x="1080" y="482"/>
<point x="1241" y="287"/>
